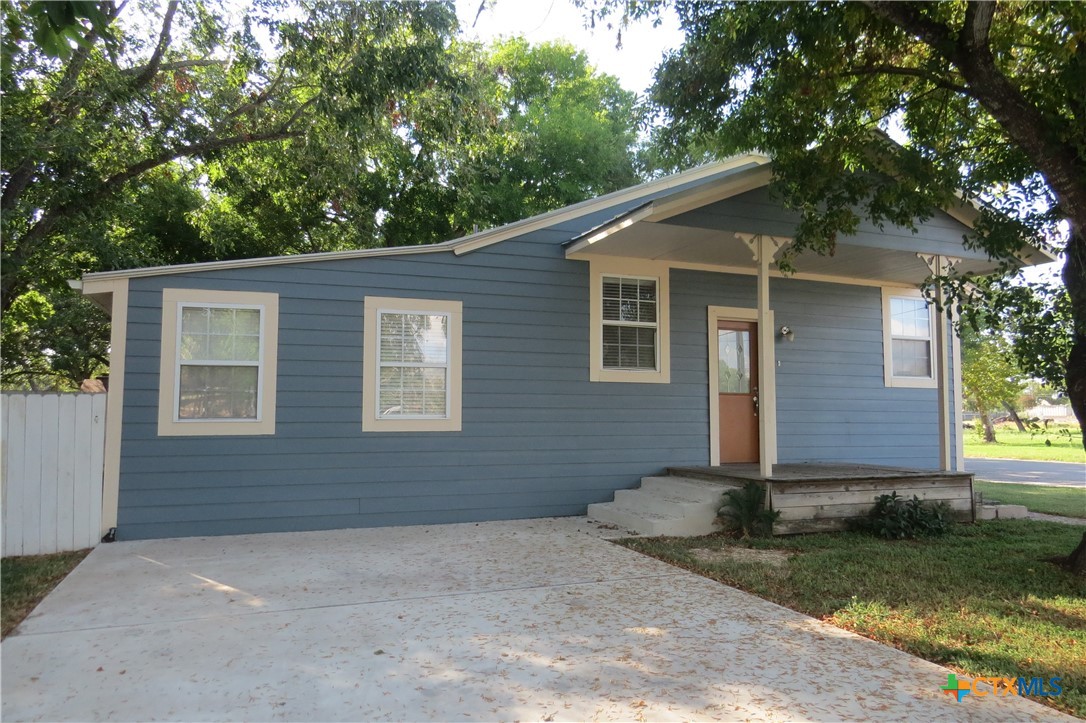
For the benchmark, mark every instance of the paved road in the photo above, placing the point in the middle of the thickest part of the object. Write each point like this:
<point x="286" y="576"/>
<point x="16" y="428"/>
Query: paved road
<point x="1063" y="474"/>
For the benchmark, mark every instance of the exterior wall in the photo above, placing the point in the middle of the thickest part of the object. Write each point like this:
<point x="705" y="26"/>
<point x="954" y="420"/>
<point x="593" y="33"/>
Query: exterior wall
<point x="538" y="437"/>
<point x="832" y="402"/>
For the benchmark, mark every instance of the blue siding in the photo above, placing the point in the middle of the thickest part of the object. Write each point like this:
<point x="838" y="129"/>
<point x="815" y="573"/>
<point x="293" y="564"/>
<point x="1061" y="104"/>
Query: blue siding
<point x="832" y="402"/>
<point x="757" y="212"/>
<point x="538" y="438"/>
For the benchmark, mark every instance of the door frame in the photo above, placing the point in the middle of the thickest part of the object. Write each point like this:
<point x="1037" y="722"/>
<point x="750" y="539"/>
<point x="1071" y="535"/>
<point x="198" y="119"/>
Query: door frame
<point x="767" y="377"/>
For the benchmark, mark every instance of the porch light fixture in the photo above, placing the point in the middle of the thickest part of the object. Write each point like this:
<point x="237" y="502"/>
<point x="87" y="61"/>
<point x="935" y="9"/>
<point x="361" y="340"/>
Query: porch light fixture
<point x="788" y="333"/>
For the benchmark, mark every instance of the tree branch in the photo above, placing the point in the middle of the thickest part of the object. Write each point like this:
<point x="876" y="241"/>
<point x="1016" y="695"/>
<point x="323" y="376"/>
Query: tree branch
<point x="176" y="65"/>
<point x="151" y="68"/>
<point x="978" y="23"/>
<point x="911" y="72"/>
<point x="13" y="281"/>
<point x="907" y="17"/>
<point x="263" y="97"/>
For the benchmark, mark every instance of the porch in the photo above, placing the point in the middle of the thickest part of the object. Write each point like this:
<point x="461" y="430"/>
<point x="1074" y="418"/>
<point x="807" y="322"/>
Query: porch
<point x="811" y="497"/>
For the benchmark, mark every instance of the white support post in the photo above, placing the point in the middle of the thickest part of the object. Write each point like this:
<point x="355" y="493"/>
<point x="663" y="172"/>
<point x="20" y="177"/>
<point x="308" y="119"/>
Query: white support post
<point x="767" y="388"/>
<point x="959" y="432"/>
<point x="942" y="354"/>
<point x="944" y="377"/>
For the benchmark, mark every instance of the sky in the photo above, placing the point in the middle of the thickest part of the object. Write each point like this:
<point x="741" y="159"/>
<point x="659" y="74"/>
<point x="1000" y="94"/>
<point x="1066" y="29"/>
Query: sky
<point x="541" y="20"/>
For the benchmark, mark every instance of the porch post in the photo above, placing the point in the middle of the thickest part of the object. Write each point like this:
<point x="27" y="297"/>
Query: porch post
<point x="940" y="266"/>
<point x="767" y="387"/>
<point x="944" y="376"/>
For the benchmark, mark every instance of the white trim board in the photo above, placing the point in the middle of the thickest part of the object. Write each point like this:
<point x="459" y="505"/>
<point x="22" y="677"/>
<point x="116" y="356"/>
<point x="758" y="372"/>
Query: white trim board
<point x="117" y="292"/>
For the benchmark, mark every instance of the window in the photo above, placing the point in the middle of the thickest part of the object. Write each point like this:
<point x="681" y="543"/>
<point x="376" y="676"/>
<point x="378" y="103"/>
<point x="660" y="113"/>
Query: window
<point x="629" y="317"/>
<point x="907" y="340"/>
<point x="629" y="323"/>
<point x="411" y="365"/>
<point x="217" y="371"/>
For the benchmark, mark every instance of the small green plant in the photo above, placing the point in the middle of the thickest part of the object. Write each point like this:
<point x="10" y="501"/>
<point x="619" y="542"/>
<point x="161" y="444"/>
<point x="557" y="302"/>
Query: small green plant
<point x="744" y="511"/>
<point x="895" y="518"/>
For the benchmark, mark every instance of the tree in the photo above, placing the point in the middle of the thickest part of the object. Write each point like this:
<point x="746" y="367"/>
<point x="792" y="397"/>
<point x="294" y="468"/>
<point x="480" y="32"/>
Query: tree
<point x="298" y="128"/>
<point x="991" y="98"/>
<point x="79" y="131"/>
<point x="990" y="378"/>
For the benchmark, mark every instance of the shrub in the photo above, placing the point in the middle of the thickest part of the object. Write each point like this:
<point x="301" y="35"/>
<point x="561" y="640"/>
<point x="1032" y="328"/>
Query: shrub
<point x="744" y="511"/>
<point x="895" y="518"/>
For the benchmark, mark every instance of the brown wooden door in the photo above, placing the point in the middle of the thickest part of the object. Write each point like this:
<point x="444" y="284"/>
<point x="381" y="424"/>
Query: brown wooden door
<point x="737" y="375"/>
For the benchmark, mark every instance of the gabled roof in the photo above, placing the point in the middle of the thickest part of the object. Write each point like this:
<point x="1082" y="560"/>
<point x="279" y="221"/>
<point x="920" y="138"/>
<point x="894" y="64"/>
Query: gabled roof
<point x="690" y="228"/>
<point x="475" y="241"/>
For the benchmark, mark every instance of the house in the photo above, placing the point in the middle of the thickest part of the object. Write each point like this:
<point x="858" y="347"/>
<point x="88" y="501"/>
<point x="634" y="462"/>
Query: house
<point x="524" y="371"/>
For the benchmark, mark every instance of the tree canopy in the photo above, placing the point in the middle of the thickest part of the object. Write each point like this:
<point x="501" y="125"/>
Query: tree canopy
<point x="188" y="131"/>
<point x="989" y="98"/>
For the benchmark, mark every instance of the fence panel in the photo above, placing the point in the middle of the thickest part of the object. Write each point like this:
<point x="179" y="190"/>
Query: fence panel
<point x="51" y="471"/>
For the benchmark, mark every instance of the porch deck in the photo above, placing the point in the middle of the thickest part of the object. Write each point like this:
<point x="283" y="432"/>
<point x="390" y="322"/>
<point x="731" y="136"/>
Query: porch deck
<point x="811" y="472"/>
<point x="817" y="497"/>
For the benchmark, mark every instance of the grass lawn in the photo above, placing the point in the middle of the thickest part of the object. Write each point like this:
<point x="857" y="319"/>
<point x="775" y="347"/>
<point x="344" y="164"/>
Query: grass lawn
<point x="1066" y="501"/>
<point x="26" y="580"/>
<point x="980" y="600"/>
<point x="1012" y="444"/>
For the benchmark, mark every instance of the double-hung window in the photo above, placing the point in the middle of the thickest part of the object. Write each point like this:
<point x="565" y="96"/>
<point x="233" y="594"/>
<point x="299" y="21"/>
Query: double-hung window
<point x="218" y="362"/>
<point x="411" y="365"/>
<point x="630" y="323"/>
<point x="907" y="339"/>
<point x="629" y="317"/>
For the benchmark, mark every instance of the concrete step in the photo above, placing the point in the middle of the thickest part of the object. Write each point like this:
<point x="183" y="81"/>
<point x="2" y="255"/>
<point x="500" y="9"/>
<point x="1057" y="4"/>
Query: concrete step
<point x="698" y="490"/>
<point x="660" y="503"/>
<point x="1001" y="512"/>
<point x="649" y="523"/>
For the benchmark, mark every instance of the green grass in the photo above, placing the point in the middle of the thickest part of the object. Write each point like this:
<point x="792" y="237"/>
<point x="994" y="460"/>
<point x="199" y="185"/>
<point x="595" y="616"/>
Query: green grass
<point x="1065" y="444"/>
<point x="1066" y="501"/>
<point x="981" y="600"/>
<point x="24" y="581"/>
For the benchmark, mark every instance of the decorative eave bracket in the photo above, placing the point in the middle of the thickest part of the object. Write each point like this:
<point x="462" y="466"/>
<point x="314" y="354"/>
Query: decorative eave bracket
<point x="753" y="242"/>
<point x="939" y="265"/>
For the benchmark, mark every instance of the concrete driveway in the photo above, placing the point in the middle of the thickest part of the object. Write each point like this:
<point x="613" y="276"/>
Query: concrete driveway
<point x="532" y="620"/>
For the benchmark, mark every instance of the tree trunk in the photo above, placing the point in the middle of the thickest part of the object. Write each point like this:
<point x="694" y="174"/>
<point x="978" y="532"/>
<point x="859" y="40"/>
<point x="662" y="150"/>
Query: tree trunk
<point x="1074" y="278"/>
<point x="1076" y="561"/>
<point x="1014" y="417"/>
<point x="989" y="430"/>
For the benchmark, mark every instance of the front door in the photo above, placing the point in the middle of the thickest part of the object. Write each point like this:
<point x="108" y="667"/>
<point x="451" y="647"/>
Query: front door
<point x="737" y="373"/>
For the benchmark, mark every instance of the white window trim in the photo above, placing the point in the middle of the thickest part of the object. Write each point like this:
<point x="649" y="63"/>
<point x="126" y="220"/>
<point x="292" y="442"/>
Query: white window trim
<point x="630" y="268"/>
<point x="169" y="364"/>
<point x="929" y="382"/>
<point x="371" y="368"/>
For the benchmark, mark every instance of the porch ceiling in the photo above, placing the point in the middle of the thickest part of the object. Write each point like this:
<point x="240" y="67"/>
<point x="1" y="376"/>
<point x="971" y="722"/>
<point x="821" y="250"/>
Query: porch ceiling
<point x="672" y="229"/>
<point x="633" y="237"/>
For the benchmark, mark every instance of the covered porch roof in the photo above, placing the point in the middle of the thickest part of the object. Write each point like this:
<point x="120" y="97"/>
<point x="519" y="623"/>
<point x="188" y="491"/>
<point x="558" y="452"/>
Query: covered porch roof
<point x="693" y="228"/>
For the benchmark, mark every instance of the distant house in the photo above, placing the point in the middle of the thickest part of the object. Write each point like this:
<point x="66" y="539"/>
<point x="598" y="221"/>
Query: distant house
<point x="527" y="370"/>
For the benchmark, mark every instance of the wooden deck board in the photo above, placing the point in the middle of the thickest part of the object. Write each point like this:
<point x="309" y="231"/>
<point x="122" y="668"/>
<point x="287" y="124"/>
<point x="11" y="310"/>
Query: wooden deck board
<point x="811" y="472"/>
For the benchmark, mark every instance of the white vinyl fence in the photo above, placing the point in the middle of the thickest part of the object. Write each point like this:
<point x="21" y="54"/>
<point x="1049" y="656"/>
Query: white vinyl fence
<point x="53" y="445"/>
<point x="1054" y="411"/>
